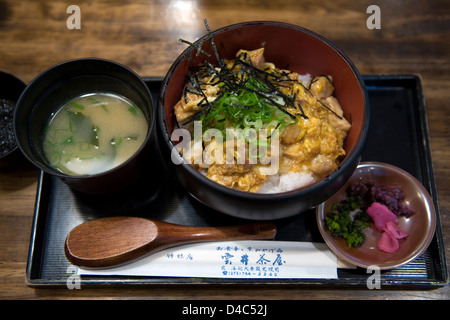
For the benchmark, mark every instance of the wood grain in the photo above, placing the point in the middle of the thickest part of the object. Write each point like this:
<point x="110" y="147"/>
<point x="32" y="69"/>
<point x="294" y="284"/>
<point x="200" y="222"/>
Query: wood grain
<point x="111" y="241"/>
<point x="143" y="35"/>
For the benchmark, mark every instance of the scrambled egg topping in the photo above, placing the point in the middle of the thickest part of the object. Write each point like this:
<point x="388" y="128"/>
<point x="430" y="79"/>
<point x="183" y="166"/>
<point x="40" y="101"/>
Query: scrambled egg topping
<point x="312" y="142"/>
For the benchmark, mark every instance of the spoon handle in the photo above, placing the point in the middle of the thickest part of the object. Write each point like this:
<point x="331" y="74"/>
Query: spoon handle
<point x="171" y="233"/>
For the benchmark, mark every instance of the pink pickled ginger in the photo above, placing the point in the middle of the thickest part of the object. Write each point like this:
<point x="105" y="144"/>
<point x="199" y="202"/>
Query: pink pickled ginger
<point x="395" y="231"/>
<point x="386" y="222"/>
<point x="388" y="243"/>
<point x="380" y="215"/>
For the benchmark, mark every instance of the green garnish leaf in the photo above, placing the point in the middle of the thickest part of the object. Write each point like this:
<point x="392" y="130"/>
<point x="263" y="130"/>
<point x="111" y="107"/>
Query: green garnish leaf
<point x="76" y="120"/>
<point x="341" y="224"/>
<point x="94" y="136"/>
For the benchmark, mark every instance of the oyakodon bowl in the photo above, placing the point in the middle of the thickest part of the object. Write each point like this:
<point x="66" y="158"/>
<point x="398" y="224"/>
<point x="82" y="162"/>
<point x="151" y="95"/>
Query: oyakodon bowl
<point x="290" y="47"/>
<point x="53" y="88"/>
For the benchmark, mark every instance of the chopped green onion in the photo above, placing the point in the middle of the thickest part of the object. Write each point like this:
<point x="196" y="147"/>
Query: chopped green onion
<point x="133" y="110"/>
<point x="245" y="108"/>
<point x="76" y="105"/>
<point x="98" y="102"/>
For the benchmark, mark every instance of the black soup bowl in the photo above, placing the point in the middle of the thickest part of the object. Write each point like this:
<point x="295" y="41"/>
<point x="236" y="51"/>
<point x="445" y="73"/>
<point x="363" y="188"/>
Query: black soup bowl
<point x="51" y="89"/>
<point x="291" y="47"/>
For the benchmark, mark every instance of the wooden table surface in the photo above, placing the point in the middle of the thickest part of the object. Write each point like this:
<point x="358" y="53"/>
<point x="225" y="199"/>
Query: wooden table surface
<point x="413" y="39"/>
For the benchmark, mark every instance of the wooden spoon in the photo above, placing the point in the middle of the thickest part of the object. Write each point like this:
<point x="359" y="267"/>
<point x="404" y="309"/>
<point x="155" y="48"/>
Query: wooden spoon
<point x="112" y="241"/>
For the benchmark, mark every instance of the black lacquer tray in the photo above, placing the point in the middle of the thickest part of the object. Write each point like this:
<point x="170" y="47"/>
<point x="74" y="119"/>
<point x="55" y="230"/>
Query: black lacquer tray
<point x="398" y="135"/>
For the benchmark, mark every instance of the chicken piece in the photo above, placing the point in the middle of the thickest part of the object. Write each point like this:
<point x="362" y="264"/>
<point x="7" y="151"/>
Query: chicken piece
<point x="322" y="165"/>
<point x="243" y="177"/>
<point x="322" y="87"/>
<point x="333" y="104"/>
<point x="293" y="151"/>
<point x="336" y="122"/>
<point x="292" y="134"/>
<point x="188" y="105"/>
<point x="186" y="109"/>
<point x="230" y="169"/>
<point x="256" y="57"/>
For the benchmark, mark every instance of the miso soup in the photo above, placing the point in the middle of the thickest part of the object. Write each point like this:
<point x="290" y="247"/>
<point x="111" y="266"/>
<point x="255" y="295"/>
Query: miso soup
<point x="94" y="133"/>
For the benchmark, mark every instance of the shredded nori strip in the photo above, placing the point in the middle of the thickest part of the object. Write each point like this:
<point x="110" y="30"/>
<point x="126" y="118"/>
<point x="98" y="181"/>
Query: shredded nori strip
<point x="234" y="81"/>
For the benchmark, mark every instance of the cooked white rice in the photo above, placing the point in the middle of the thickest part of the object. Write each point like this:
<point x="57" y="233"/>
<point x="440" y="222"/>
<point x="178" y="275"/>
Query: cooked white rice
<point x="286" y="182"/>
<point x="305" y="79"/>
